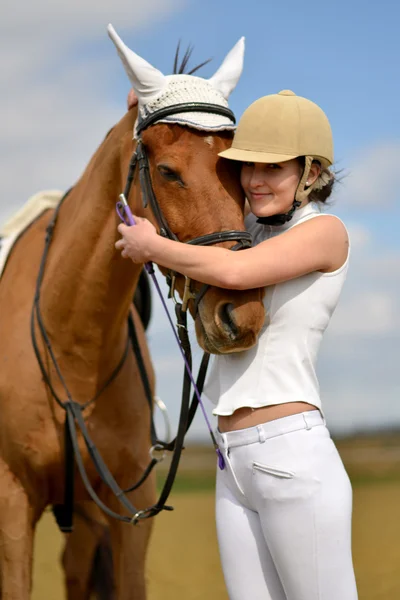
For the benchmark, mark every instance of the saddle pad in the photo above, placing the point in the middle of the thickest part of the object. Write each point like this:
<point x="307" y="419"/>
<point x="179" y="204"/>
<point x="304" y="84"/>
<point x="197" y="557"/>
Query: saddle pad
<point x="16" y="225"/>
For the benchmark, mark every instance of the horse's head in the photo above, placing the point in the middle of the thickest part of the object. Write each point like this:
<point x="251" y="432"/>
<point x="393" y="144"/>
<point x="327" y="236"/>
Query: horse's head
<point x="196" y="192"/>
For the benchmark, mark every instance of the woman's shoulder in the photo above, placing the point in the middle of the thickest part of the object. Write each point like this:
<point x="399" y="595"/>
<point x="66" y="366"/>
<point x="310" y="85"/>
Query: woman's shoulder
<point x="333" y="236"/>
<point x="324" y="222"/>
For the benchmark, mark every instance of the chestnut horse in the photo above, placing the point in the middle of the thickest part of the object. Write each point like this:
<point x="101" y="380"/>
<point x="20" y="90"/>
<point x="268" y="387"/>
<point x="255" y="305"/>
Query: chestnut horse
<point x="85" y="300"/>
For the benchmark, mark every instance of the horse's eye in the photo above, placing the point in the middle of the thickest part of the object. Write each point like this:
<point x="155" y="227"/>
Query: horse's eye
<point x="168" y="173"/>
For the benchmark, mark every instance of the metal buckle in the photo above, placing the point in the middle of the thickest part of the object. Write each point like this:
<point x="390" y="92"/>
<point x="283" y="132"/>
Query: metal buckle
<point x="172" y="287"/>
<point x="164" y="411"/>
<point x="157" y="448"/>
<point x="141" y="514"/>
<point x="187" y="294"/>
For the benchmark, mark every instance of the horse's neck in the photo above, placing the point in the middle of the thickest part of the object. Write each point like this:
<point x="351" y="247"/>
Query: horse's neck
<point x="88" y="287"/>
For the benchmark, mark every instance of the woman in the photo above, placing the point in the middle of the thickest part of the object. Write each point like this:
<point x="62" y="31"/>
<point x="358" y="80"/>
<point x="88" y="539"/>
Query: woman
<point x="284" y="501"/>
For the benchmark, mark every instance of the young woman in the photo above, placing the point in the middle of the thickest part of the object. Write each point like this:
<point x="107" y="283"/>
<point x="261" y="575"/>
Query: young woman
<point x="284" y="500"/>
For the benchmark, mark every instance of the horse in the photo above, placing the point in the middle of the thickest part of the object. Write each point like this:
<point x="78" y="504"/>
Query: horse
<point x="85" y="299"/>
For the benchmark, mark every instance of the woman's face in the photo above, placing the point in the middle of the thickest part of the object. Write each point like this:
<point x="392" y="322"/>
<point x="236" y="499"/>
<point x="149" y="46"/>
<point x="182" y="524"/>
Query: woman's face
<point x="270" y="188"/>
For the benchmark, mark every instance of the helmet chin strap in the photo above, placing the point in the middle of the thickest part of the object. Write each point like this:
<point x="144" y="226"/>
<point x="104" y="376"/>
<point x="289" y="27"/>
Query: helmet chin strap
<point x="301" y="194"/>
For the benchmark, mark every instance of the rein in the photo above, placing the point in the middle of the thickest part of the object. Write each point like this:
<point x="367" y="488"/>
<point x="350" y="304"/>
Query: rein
<point x="74" y="418"/>
<point x="139" y="158"/>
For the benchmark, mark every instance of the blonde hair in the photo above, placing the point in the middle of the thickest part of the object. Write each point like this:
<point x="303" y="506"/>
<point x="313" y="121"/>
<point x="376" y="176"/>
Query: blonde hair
<point x="323" y="186"/>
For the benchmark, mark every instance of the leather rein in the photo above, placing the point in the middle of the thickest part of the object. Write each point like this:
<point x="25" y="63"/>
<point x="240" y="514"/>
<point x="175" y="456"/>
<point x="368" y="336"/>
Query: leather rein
<point x="139" y="158"/>
<point x="74" y="419"/>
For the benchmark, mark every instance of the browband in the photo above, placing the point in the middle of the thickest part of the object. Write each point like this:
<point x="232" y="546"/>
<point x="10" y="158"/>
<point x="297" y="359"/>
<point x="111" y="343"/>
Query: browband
<point x="182" y="108"/>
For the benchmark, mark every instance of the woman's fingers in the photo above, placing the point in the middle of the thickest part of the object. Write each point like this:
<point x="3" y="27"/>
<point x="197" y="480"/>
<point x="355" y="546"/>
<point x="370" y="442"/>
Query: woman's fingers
<point x="132" y="99"/>
<point x="121" y="228"/>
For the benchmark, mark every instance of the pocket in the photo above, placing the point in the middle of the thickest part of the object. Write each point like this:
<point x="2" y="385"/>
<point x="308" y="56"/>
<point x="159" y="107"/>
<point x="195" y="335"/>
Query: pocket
<point x="273" y="471"/>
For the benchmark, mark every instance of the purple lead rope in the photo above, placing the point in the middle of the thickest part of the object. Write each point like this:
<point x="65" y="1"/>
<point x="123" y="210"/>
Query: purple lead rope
<point x="125" y="214"/>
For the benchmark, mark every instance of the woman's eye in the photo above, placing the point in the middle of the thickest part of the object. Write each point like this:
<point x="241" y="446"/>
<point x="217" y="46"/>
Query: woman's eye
<point x="248" y="164"/>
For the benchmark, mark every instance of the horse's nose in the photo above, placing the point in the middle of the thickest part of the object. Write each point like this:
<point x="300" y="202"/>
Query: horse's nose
<point x="226" y="314"/>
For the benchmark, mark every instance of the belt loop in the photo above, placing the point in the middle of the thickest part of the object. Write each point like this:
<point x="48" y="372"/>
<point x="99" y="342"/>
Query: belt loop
<point x="261" y="434"/>
<point x="222" y="439"/>
<point x="308" y="426"/>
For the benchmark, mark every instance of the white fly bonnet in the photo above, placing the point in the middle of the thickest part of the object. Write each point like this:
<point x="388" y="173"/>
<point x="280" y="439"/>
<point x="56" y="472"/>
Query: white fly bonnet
<point x="155" y="90"/>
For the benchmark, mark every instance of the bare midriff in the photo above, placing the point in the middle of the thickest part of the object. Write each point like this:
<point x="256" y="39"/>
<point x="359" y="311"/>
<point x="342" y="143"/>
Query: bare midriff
<point x="249" y="417"/>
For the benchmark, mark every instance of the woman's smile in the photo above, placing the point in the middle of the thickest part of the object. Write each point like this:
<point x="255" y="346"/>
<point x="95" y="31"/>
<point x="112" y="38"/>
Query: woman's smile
<point x="270" y="188"/>
<point x="260" y="195"/>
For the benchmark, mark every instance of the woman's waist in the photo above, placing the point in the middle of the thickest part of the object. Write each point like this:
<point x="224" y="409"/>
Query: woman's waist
<point x="247" y="416"/>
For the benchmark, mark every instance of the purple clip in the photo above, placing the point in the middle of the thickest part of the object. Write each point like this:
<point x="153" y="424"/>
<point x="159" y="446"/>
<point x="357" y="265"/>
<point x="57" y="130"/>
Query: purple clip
<point x="221" y="461"/>
<point x="124" y="212"/>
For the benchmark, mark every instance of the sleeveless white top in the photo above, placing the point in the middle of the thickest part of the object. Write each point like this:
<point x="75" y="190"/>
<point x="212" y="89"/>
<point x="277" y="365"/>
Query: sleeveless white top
<point x="281" y="366"/>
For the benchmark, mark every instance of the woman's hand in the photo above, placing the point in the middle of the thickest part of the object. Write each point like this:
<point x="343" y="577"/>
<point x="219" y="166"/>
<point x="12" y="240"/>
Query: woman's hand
<point x="132" y="99"/>
<point x="137" y="241"/>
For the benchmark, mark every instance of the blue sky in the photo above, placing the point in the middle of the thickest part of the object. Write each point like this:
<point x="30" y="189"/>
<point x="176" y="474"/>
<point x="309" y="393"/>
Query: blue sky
<point x="64" y="87"/>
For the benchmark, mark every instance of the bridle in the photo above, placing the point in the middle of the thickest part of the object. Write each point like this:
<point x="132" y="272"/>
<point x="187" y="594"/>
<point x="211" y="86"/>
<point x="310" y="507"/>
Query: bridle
<point x="140" y="159"/>
<point x="73" y="411"/>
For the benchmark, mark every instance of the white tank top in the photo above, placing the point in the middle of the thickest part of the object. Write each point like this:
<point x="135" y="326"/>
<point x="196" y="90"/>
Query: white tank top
<point x="281" y="366"/>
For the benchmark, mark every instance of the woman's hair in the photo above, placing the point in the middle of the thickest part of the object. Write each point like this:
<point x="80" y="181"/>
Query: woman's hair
<point x="325" y="183"/>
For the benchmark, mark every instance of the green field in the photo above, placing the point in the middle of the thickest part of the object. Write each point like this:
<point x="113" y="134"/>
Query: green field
<point x="183" y="560"/>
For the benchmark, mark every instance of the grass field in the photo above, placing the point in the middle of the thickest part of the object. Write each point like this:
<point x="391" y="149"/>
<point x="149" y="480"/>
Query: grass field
<point x="183" y="560"/>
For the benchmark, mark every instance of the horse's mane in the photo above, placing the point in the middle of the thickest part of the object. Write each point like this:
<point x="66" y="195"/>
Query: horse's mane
<point x="180" y="70"/>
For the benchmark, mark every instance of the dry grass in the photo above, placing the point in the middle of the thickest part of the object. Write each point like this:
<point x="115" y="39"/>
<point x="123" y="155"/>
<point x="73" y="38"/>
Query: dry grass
<point x="376" y="540"/>
<point x="183" y="560"/>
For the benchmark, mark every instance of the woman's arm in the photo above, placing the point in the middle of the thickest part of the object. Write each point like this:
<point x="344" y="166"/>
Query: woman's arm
<point x="319" y="244"/>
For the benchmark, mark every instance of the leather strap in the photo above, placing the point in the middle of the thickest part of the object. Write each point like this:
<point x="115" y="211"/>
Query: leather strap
<point x="73" y="410"/>
<point x="185" y="107"/>
<point x="64" y="513"/>
<point x="74" y="419"/>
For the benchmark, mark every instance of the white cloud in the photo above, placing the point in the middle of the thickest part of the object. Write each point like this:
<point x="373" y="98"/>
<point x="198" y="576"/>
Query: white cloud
<point x="358" y="365"/>
<point x="368" y="312"/>
<point x="372" y="181"/>
<point x="56" y="108"/>
<point x="42" y="20"/>
<point x="351" y="408"/>
<point x="360" y="236"/>
<point x="37" y="41"/>
<point x="384" y="266"/>
<point x="369" y="302"/>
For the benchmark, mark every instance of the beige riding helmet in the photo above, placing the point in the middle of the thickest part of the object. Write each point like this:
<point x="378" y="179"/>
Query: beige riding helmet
<point x="280" y="127"/>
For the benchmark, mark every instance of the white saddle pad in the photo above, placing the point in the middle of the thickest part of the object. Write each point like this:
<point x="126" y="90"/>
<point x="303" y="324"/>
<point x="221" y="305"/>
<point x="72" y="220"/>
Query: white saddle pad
<point x="32" y="209"/>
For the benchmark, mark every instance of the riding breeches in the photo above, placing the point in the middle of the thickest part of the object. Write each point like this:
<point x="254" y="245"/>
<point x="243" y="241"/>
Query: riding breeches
<point x="283" y="511"/>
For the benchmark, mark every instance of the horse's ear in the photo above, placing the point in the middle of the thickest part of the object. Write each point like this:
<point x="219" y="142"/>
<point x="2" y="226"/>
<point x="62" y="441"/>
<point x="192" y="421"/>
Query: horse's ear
<point x="227" y="76"/>
<point x="146" y="80"/>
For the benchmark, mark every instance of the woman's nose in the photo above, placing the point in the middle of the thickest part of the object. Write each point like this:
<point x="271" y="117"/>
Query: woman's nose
<point x="257" y="177"/>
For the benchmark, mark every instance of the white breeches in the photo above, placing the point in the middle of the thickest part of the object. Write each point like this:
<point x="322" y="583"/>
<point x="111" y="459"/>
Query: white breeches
<point x="283" y="510"/>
